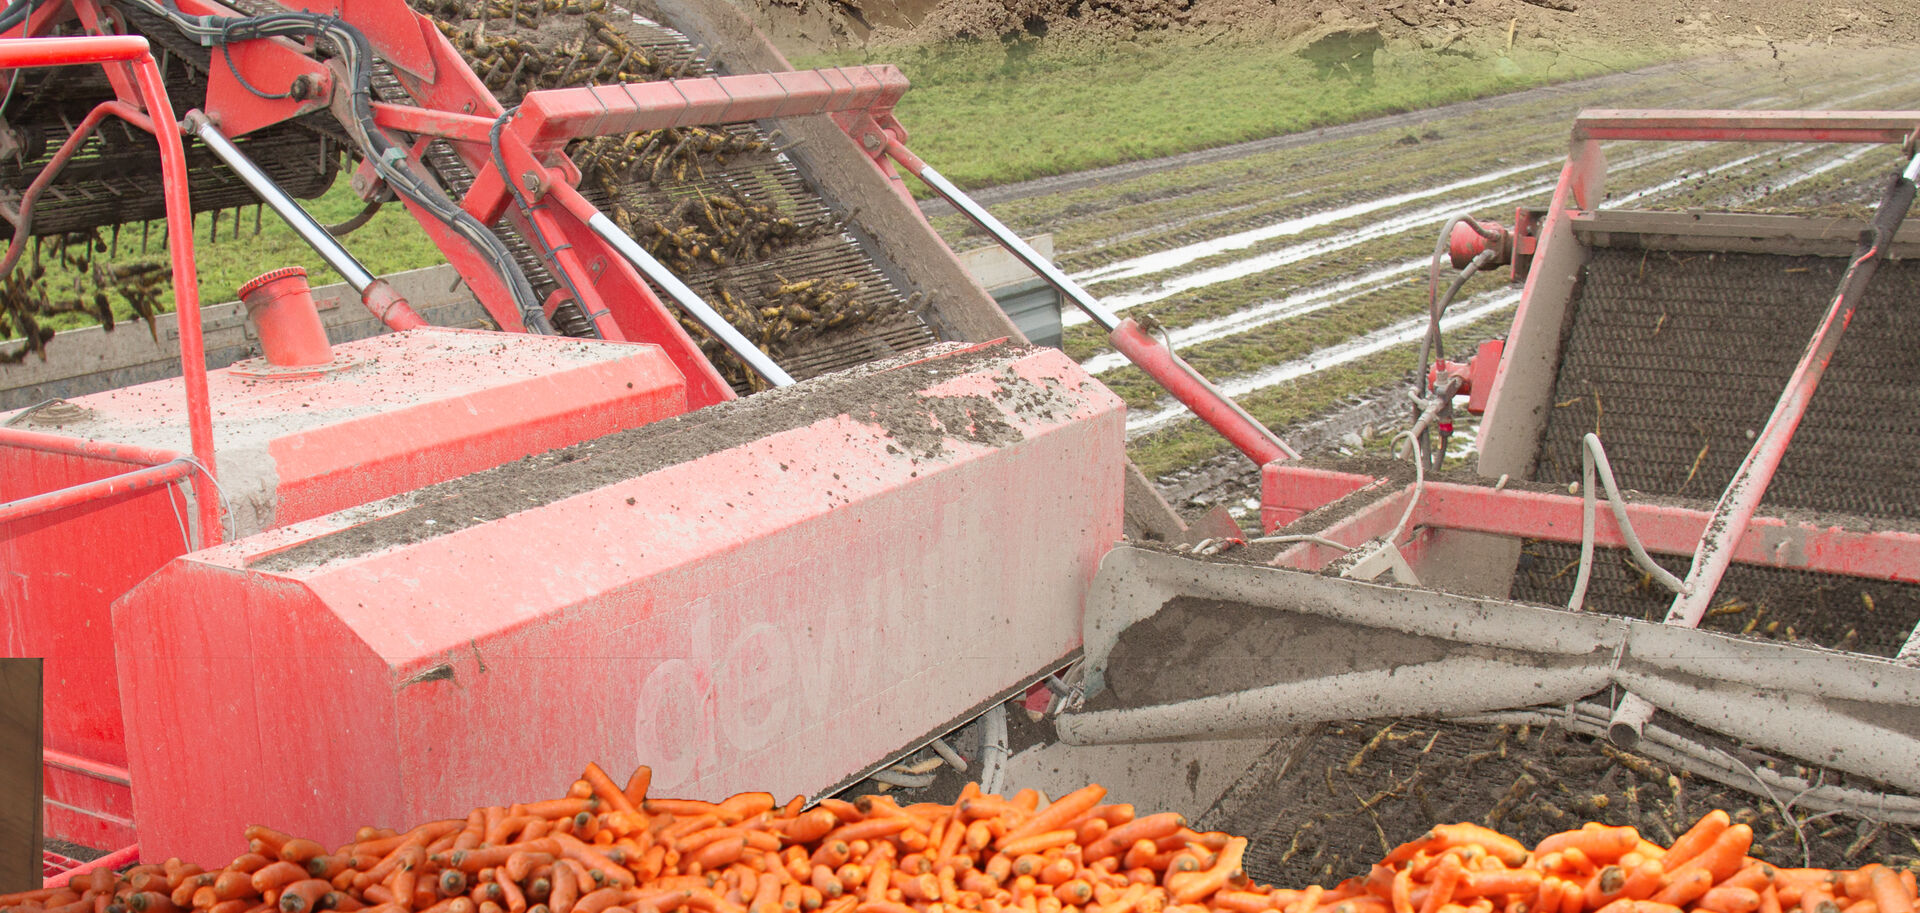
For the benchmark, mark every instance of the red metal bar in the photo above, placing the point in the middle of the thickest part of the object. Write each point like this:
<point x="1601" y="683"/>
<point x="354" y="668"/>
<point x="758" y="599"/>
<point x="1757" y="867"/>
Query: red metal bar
<point x="23" y="222"/>
<point x="60" y="52"/>
<point x="466" y="128"/>
<point x="186" y="289"/>
<point x="111" y="486"/>
<point x="1747" y="126"/>
<point x="73" y="446"/>
<point x="80" y="765"/>
<point x="549" y="118"/>
<point x="1892" y="555"/>
<point x="1196" y="393"/>
<point x="132" y="50"/>
<point x="1289" y="492"/>
<point x="112" y="860"/>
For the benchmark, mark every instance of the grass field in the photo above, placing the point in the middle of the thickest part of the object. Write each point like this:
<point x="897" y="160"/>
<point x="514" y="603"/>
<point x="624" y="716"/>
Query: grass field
<point x="990" y="113"/>
<point x="390" y="242"/>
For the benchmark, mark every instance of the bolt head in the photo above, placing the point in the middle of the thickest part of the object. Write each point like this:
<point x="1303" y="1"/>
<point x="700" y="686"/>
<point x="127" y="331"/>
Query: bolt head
<point x="873" y="142"/>
<point x="530" y="181"/>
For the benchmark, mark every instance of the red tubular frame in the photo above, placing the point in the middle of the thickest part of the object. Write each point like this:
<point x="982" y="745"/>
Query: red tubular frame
<point x="132" y="52"/>
<point x="1197" y="393"/>
<point x="1746" y="126"/>
<point x="1890" y="555"/>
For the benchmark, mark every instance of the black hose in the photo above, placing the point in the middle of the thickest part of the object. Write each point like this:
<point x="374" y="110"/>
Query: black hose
<point x="343" y="229"/>
<point x="17" y="12"/>
<point x="387" y="157"/>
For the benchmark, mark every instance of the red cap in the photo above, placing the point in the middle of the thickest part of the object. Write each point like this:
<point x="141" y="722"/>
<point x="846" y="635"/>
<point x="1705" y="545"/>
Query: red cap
<point x="257" y="282"/>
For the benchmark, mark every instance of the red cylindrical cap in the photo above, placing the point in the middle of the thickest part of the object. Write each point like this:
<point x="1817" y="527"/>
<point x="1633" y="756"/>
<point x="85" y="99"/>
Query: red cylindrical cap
<point x="281" y="305"/>
<point x="1463" y="244"/>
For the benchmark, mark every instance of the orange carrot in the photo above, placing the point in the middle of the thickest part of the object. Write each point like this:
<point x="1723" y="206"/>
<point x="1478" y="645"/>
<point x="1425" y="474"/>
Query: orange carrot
<point x="871" y="828"/>
<point x="1697" y="838"/>
<point x="718" y="854"/>
<point x="636" y="789"/>
<point x="1037" y="843"/>
<point x="277" y="875"/>
<point x="1117" y="840"/>
<point x="1604" y="887"/>
<point x="1497" y="882"/>
<point x="1723" y="857"/>
<point x="1597" y="842"/>
<point x="1728" y="899"/>
<point x="515" y="901"/>
<point x="1446" y="879"/>
<point x="808" y="826"/>
<point x="1683" y="888"/>
<point x="1752" y="874"/>
<point x="740" y="807"/>
<point x="1063" y="809"/>
<point x="1889" y="894"/>
<point x="1628" y="905"/>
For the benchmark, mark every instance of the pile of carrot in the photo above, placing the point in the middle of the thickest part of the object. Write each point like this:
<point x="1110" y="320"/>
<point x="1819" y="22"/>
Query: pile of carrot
<point x="605" y="848"/>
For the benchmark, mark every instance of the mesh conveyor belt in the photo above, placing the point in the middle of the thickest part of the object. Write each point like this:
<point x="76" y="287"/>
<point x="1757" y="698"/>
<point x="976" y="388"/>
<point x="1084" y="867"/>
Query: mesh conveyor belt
<point x="765" y="177"/>
<point x="115" y="178"/>
<point x="1670" y="352"/>
<point x="1677" y="357"/>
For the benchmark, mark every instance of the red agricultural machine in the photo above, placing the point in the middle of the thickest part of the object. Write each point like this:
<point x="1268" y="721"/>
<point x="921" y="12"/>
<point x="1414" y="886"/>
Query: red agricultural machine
<point x="745" y="463"/>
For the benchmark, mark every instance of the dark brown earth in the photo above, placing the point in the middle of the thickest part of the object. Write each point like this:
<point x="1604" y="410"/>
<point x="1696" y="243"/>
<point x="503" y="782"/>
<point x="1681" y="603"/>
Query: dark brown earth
<point x="1349" y="790"/>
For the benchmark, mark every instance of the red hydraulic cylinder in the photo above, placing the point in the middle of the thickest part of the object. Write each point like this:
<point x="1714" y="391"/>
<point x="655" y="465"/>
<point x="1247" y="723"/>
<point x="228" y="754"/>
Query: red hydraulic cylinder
<point x="1197" y="393"/>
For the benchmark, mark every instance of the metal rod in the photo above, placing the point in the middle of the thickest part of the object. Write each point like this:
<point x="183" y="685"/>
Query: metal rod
<point x="671" y="284"/>
<point x="74" y="446"/>
<point x="1735" y="510"/>
<point x="91" y="768"/>
<point x="124" y="483"/>
<point x="186" y="290"/>
<point x="1160" y="362"/>
<point x="305" y="225"/>
<point x="113" y="860"/>
<point x="1001" y="233"/>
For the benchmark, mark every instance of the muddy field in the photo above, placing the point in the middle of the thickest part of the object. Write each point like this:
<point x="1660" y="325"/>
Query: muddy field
<point x="1292" y="271"/>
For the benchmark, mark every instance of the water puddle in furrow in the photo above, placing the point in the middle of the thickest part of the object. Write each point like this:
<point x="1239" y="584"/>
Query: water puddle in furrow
<point x="1407" y="331"/>
<point x="1316" y="299"/>
<point x="1162" y="261"/>
<point x="1295" y="253"/>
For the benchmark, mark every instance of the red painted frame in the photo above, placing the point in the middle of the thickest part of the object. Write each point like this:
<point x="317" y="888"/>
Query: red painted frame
<point x="131" y="52"/>
<point x="1290" y="492"/>
<point x="1666" y="529"/>
<point x="451" y="102"/>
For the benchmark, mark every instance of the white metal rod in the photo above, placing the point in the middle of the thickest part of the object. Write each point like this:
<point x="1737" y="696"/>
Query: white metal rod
<point x="680" y="293"/>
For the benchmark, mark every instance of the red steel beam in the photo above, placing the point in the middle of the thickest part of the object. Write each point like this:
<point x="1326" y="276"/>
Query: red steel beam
<point x="73" y="446"/>
<point x="549" y="118"/>
<point x="1747" y="126"/>
<point x="111" y="486"/>
<point x="1892" y="555"/>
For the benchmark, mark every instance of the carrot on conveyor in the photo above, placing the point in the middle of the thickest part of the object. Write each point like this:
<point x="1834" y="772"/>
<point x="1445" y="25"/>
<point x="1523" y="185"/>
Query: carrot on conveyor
<point x="604" y="848"/>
